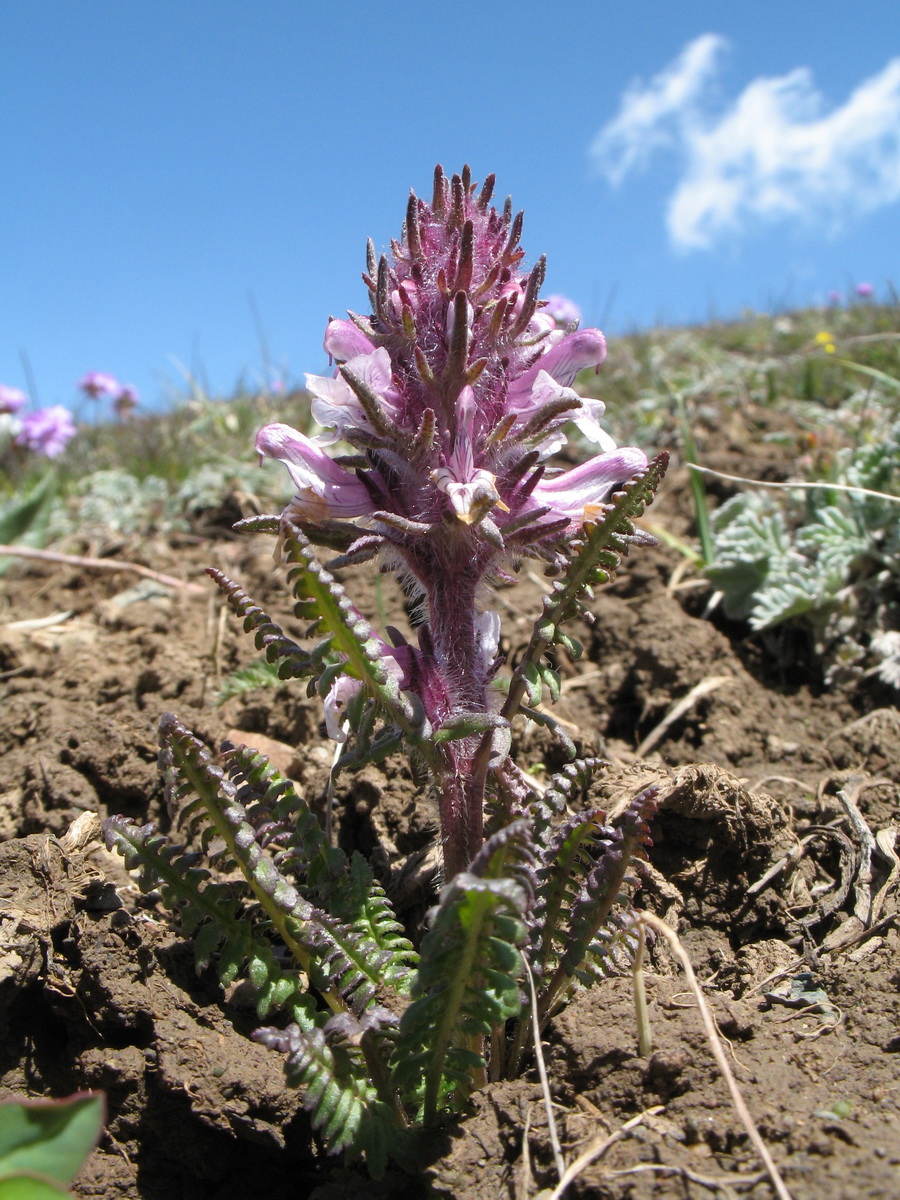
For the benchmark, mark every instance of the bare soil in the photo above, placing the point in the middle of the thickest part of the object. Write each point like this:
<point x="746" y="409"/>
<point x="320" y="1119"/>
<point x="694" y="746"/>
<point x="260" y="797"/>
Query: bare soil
<point x="97" y="989"/>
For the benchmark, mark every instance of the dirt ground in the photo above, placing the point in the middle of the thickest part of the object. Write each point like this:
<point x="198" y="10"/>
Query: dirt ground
<point x="800" y="966"/>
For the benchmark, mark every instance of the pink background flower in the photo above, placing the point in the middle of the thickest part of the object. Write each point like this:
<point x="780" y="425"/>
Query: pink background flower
<point x="47" y="431"/>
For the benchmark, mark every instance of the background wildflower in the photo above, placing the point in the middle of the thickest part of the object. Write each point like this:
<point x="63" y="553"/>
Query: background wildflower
<point x="97" y="384"/>
<point x="126" y="401"/>
<point x="47" y="431"/>
<point x="11" y="399"/>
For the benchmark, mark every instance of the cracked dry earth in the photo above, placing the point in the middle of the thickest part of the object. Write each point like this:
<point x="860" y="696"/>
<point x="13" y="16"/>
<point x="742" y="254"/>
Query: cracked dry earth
<point x="759" y="861"/>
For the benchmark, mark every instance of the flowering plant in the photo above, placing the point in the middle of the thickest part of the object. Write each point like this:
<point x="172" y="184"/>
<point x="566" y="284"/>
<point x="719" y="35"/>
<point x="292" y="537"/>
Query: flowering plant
<point x="451" y="397"/>
<point x="47" y="431"/>
<point x="11" y="399"/>
<point x="98" y="385"/>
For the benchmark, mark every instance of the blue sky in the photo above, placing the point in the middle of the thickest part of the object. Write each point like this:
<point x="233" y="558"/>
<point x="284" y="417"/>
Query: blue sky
<point x="189" y="184"/>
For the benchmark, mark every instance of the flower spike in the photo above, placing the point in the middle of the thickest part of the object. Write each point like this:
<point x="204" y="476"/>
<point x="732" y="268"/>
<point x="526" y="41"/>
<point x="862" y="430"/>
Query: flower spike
<point x="456" y="390"/>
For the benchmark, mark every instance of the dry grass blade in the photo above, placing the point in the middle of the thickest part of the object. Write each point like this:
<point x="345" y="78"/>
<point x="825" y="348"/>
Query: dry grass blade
<point x="726" y="1185"/>
<point x="715" y="1043"/>
<point x="597" y="1148"/>
<point x="862" y="886"/>
<point x="886" y="842"/>
<point x="645" y="1037"/>
<point x="790" y="485"/>
<point x="29" y="626"/>
<point x="542" y="1072"/>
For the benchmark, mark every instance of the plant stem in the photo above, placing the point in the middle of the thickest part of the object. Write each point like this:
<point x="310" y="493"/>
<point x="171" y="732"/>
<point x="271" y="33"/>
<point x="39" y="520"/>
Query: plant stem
<point x="461" y="808"/>
<point x="451" y="600"/>
<point x="645" y="1037"/>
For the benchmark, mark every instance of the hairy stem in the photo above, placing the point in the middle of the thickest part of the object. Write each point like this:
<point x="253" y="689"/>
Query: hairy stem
<point x="451" y="600"/>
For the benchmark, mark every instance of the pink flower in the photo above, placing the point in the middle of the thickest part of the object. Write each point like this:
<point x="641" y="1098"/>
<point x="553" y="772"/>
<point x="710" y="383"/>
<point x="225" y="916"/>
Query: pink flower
<point x="471" y="491"/>
<point x="96" y="384"/>
<point x="563" y="310"/>
<point x="865" y="291"/>
<point x="47" y="431"/>
<point x="343" y="341"/>
<point x="337" y="407"/>
<point x="345" y="687"/>
<point x="11" y="399"/>
<point x="451" y="392"/>
<point x="324" y="489"/>
<point x="577" y="494"/>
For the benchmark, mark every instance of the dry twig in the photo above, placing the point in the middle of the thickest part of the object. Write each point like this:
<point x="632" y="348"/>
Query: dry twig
<point x="101" y="564"/>
<point x="597" y="1148"/>
<point x="685" y="704"/>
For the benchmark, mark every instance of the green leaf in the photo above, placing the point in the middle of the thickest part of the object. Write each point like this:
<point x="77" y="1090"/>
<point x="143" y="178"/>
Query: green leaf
<point x="552" y="682"/>
<point x="31" y="1187"/>
<point x="348" y="961"/>
<point x="344" y="1106"/>
<point x="49" y="1137"/>
<point x="25" y="520"/>
<point x="531" y="677"/>
<point x="250" y="678"/>
<point x="321" y="598"/>
<point x="593" y="555"/>
<point x="289" y="659"/>
<point x="467" y="725"/>
<point x="548" y="722"/>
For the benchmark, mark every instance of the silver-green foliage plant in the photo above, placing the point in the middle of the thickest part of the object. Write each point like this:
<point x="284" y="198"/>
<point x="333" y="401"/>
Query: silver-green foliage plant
<point x="824" y="557"/>
<point x="448" y="401"/>
<point x="115" y="501"/>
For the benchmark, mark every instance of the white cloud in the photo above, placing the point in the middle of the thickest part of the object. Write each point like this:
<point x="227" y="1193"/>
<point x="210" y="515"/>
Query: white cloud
<point x="773" y="154"/>
<point x="650" y="115"/>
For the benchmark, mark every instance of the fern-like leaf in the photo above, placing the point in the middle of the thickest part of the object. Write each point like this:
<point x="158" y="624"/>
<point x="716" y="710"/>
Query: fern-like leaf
<point x="210" y="913"/>
<point x="284" y="823"/>
<point x="341" y="960"/>
<point x="332" y="1068"/>
<point x="323" y="600"/>
<point x="564" y="864"/>
<point x="293" y="661"/>
<point x="603" y="884"/>
<point x="467" y="980"/>
<point x="360" y="903"/>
